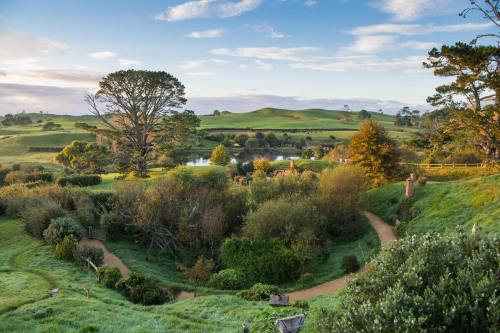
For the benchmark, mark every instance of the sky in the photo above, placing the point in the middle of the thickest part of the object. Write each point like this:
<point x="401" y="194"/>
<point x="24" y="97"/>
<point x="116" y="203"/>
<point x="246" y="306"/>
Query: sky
<point x="237" y="55"/>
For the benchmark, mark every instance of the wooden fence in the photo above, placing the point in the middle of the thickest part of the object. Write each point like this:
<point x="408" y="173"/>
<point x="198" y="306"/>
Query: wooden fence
<point x="447" y="165"/>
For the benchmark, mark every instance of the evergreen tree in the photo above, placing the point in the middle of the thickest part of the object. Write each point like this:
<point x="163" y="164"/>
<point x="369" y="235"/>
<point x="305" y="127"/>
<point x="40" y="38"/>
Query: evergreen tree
<point x="220" y="156"/>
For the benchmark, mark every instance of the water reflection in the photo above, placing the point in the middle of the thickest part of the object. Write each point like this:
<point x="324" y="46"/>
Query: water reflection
<point x="206" y="162"/>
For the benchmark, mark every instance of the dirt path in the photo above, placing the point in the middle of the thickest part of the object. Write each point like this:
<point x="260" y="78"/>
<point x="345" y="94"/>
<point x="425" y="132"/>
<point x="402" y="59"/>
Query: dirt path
<point x="109" y="258"/>
<point x="385" y="234"/>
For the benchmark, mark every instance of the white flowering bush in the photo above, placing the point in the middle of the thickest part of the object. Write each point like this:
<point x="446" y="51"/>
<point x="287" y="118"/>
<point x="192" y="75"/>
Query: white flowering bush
<point x="430" y="283"/>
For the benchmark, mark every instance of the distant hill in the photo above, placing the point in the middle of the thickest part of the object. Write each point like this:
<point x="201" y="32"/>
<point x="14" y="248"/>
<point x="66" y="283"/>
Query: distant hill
<point x="288" y="119"/>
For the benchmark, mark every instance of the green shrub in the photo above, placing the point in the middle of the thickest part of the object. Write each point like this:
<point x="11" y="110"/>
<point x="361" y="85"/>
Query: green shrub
<point x="16" y="167"/>
<point x="66" y="249"/>
<point x="304" y="305"/>
<point x="143" y="290"/>
<point x="306" y="278"/>
<point x="422" y="180"/>
<point x="228" y="279"/>
<point x="261" y="260"/>
<point x="350" y="264"/>
<point x="3" y="174"/>
<point x="37" y="218"/>
<point x="430" y="283"/>
<point x="92" y="253"/>
<point x="109" y="276"/>
<point x="79" y="180"/>
<point x="406" y="210"/>
<point x="60" y="228"/>
<point x="259" y="292"/>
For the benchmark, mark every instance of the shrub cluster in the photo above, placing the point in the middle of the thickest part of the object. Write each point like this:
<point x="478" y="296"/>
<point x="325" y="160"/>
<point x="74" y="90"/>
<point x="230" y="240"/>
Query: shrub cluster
<point x="259" y="292"/>
<point x="65" y="250"/>
<point x="92" y="253"/>
<point x="143" y="290"/>
<point x="61" y="227"/>
<point x="227" y="279"/>
<point x="350" y="264"/>
<point x="109" y="276"/>
<point x="430" y="283"/>
<point x="79" y="180"/>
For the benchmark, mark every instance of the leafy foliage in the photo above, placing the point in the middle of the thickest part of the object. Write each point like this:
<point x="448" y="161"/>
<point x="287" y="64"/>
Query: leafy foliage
<point x="144" y="290"/>
<point x="79" y="180"/>
<point x="375" y="152"/>
<point x="109" y="276"/>
<point x="65" y="250"/>
<point x="259" y="292"/>
<point x="84" y="156"/>
<point x="220" y="156"/>
<point x="228" y="279"/>
<point x="89" y="252"/>
<point x="61" y="227"/>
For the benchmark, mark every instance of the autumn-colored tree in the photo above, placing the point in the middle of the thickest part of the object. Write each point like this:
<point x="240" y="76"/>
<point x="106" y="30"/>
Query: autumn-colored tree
<point x="201" y="271"/>
<point x="220" y="156"/>
<point x="261" y="164"/>
<point x="84" y="156"/>
<point x="373" y="150"/>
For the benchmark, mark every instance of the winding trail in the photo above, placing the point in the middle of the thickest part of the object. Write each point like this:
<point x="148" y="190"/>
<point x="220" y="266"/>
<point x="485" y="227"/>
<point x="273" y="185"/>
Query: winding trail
<point x="383" y="230"/>
<point x="110" y="259"/>
<point x="385" y="234"/>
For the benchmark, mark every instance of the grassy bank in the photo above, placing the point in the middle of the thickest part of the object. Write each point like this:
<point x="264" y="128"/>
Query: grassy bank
<point x="442" y="206"/>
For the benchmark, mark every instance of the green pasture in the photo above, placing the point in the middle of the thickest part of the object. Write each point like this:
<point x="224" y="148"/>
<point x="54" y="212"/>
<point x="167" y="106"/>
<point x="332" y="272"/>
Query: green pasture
<point x="442" y="206"/>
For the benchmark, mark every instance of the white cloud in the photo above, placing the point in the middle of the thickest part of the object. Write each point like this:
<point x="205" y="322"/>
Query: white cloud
<point x="103" y="55"/>
<point x="202" y="73"/>
<point x="310" y="3"/>
<point x="263" y="65"/>
<point x="268" y="31"/>
<point x="417" y="29"/>
<point x="127" y="63"/>
<point x="370" y="63"/>
<point x="230" y="9"/>
<point x="18" y="48"/>
<point x="269" y="53"/>
<point x="211" y="33"/>
<point x="409" y="10"/>
<point x="186" y="10"/>
<point x="371" y="44"/>
<point x="52" y="77"/>
<point x="207" y="8"/>
<point x="419" y="45"/>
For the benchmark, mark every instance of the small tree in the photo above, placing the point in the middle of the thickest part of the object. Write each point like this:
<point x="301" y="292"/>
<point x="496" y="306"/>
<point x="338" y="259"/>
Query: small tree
<point x="201" y="271"/>
<point x="220" y="156"/>
<point x="375" y="152"/>
<point x="84" y="156"/>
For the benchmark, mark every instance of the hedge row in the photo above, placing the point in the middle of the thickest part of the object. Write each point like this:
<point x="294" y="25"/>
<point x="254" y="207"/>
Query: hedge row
<point x="79" y="180"/>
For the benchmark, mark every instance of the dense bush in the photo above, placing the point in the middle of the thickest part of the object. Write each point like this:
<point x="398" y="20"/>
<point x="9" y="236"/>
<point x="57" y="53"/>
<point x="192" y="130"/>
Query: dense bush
<point x="261" y="260"/>
<point x="37" y="218"/>
<point x="306" y="278"/>
<point x="430" y="283"/>
<point x="92" y="253"/>
<point x="406" y="209"/>
<point x="109" y="276"/>
<point x="143" y="290"/>
<point x="350" y="264"/>
<point x="297" y="223"/>
<point x="228" y="279"/>
<point x="66" y="249"/>
<point x="3" y="173"/>
<point x="259" y="292"/>
<point x="339" y="197"/>
<point x="60" y="228"/>
<point x="79" y="180"/>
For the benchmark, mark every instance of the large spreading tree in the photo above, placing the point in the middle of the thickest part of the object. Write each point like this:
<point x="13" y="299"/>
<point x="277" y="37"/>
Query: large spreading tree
<point x="131" y="104"/>
<point x="473" y="98"/>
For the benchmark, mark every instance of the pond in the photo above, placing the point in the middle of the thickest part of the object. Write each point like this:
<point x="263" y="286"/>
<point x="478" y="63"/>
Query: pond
<point x="199" y="162"/>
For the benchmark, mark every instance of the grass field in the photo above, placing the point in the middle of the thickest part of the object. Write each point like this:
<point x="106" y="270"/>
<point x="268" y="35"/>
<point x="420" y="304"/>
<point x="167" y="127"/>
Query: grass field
<point x="16" y="140"/>
<point x="28" y="271"/>
<point x="443" y="206"/>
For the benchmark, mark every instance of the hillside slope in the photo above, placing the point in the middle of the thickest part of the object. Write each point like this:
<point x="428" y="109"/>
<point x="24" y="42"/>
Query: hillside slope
<point x="442" y="206"/>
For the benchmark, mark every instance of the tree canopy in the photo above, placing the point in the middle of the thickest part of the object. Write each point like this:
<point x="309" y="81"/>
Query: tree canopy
<point x="131" y="105"/>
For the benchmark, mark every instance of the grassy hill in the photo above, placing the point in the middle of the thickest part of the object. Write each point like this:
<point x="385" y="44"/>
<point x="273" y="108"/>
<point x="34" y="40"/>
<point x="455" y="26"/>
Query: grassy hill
<point x="442" y="206"/>
<point x="28" y="271"/>
<point x="15" y="141"/>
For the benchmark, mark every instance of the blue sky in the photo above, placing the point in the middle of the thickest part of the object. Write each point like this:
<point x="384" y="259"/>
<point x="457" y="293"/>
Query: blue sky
<point x="230" y="54"/>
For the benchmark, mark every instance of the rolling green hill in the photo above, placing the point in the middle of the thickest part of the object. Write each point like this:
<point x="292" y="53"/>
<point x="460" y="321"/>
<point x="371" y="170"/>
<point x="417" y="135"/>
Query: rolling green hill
<point x="15" y="141"/>
<point x="442" y="206"/>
